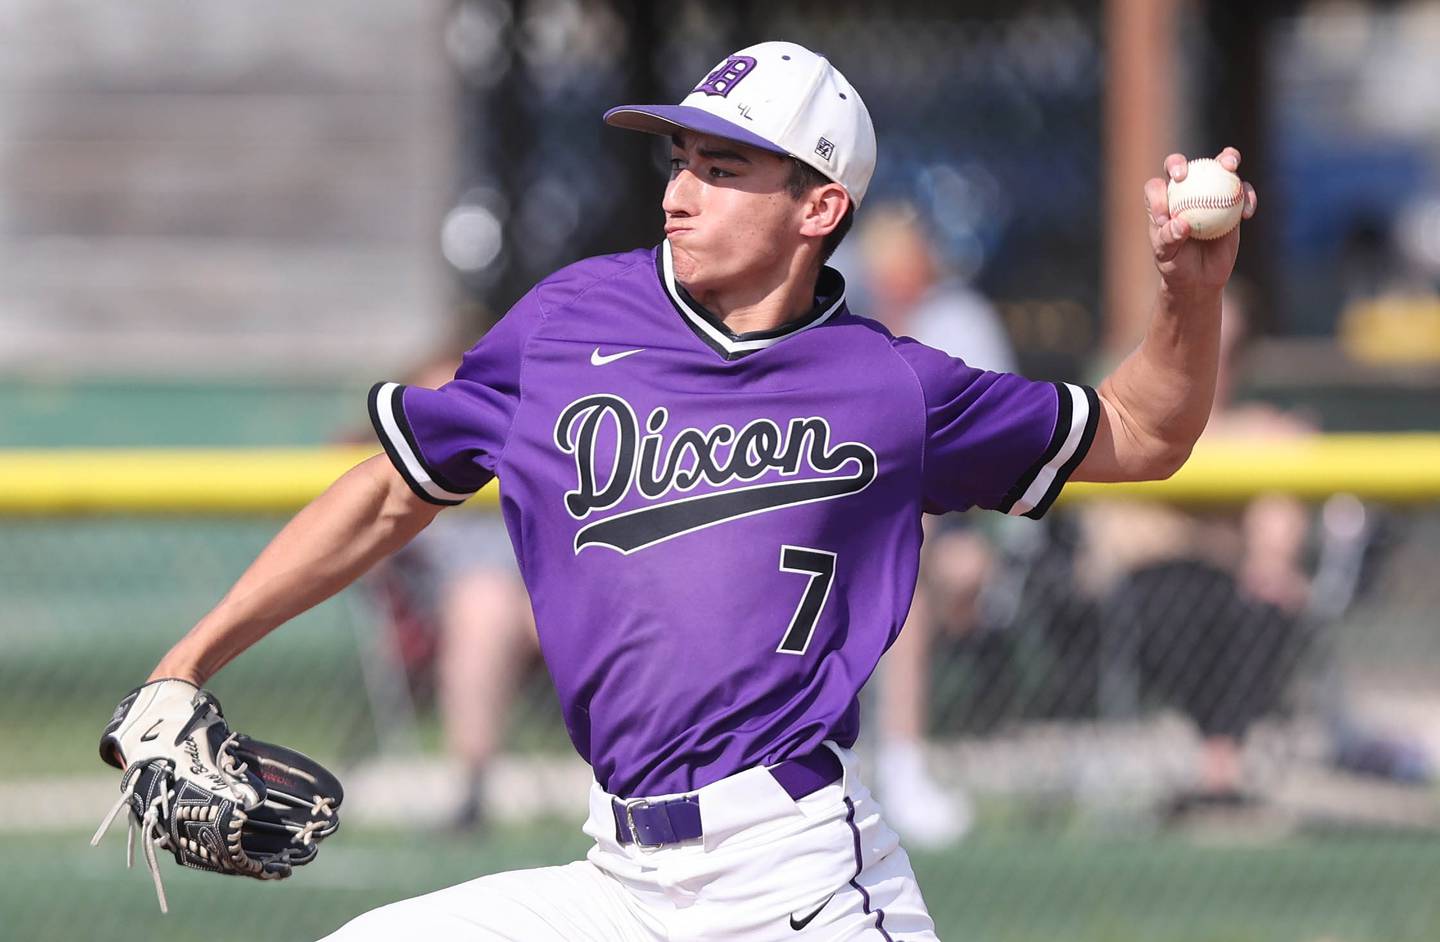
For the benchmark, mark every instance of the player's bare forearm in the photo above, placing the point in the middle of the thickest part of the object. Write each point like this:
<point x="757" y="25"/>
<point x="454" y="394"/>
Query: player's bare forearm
<point x="1156" y="403"/>
<point x="1158" y="399"/>
<point x="364" y="516"/>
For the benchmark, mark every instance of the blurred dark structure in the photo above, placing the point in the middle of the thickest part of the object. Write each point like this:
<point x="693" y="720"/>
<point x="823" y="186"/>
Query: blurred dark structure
<point x="974" y="104"/>
<point x="1021" y="131"/>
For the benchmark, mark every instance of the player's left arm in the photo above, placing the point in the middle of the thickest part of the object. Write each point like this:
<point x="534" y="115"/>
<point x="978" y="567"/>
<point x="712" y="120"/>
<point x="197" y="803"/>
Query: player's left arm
<point x="1156" y="402"/>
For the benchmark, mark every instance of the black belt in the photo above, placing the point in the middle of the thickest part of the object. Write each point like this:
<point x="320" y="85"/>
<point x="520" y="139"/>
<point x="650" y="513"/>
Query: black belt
<point x="658" y="823"/>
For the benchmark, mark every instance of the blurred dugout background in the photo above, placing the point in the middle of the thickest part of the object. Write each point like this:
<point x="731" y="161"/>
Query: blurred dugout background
<point x="220" y="223"/>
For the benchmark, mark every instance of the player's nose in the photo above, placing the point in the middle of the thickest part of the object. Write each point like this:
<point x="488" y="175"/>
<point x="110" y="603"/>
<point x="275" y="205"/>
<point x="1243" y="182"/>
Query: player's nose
<point x="680" y="194"/>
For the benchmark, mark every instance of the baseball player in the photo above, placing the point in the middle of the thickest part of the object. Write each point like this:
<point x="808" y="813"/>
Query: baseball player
<point x="713" y="477"/>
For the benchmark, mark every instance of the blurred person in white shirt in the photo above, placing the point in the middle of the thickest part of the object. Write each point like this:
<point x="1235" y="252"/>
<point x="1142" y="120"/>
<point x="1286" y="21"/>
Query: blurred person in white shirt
<point x="909" y="290"/>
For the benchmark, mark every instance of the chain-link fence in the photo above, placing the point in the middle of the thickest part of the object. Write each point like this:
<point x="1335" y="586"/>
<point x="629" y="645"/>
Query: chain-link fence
<point x="1154" y="743"/>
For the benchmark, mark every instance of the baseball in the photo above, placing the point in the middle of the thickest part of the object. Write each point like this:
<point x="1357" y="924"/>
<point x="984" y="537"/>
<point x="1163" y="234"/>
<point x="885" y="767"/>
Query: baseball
<point x="1210" y="199"/>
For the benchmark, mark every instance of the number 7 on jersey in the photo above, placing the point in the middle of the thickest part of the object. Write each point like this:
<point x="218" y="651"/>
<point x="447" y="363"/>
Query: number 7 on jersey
<point x="819" y="565"/>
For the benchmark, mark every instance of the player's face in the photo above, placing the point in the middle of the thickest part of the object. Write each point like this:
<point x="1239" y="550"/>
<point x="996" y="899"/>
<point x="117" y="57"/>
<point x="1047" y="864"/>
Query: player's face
<point x="728" y="215"/>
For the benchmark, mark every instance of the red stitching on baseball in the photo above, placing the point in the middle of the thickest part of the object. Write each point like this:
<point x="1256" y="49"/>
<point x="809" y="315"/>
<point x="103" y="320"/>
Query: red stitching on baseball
<point x="1208" y="202"/>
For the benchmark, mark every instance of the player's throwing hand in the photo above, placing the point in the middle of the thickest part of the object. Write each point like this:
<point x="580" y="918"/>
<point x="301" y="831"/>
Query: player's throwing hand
<point x="1187" y="263"/>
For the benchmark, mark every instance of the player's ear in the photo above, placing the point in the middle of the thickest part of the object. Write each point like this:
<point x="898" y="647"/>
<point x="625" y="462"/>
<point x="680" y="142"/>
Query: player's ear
<point x="824" y="208"/>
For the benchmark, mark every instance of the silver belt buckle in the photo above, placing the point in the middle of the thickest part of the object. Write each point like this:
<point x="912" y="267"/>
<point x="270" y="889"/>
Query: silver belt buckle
<point x="630" y="805"/>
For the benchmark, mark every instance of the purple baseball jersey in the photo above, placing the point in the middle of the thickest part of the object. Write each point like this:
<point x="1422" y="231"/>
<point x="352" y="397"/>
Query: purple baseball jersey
<point x="719" y="532"/>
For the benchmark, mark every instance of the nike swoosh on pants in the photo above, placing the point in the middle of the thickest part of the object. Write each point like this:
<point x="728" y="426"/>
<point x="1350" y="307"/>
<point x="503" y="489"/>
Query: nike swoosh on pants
<point x="798" y="924"/>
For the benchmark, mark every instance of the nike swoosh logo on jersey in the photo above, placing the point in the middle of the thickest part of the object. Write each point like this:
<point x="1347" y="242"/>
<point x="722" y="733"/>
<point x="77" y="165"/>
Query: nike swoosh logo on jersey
<point x="798" y="924"/>
<point x="599" y="359"/>
<point x="150" y="733"/>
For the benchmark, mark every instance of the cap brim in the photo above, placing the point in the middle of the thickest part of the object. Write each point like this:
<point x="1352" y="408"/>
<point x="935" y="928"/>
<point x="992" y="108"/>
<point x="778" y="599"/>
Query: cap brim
<point x="667" y="119"/>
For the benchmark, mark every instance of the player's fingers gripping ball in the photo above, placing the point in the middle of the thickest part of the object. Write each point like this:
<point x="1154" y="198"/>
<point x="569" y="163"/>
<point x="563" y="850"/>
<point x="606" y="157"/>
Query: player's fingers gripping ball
<point x="215" y="799"/>
<point x="1210" y="198"/>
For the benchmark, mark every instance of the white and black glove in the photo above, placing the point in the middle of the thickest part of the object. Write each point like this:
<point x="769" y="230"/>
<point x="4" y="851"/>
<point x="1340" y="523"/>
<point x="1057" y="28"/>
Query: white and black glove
<point x="217" y="800"/>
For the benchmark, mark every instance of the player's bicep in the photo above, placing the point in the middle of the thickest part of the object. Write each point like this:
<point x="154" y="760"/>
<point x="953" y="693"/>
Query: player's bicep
<point x="1119" y="453"/>
<point x="400" y="503"/>
<point x="1102" y="463"/>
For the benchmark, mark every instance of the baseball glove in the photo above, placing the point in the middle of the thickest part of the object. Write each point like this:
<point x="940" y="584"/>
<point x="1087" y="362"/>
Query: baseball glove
<point x="216" y="799"/>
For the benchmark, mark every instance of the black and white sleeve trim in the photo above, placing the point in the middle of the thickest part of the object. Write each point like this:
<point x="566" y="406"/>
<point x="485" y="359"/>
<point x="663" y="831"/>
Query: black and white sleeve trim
<point x="388" y="417"/>
<point x="1075" y="422"/>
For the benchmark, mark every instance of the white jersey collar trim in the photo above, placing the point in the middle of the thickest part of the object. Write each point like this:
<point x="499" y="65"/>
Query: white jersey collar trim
<point x="732" y="345"/>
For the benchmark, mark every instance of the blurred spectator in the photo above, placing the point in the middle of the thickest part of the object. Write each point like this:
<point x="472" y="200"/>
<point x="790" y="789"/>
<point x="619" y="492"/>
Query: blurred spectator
<point x="1206" y="607"/>
<point x="455" y="598"/>
<point x="907" y="290"/>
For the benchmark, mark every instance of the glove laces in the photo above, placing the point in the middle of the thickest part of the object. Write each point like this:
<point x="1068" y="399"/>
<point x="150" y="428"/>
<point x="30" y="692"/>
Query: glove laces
<point x="321" y="806"/>
<point x="233" y="769"/>
<point x="152" y="832"/>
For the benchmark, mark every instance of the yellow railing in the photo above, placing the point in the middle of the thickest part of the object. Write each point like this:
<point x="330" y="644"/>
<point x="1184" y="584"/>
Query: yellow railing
<point x="1400" y="468"/>
<point x="60" y="481"/>
<point x="1395" y="468"/>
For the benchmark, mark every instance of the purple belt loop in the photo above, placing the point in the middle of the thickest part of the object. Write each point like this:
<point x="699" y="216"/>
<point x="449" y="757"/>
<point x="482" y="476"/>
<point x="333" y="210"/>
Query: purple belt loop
<point x="808" y="774"/>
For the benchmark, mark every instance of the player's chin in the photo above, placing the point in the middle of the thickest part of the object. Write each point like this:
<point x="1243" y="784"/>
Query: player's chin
<point x="688" y="255"/>
<point x="701" y="265"/>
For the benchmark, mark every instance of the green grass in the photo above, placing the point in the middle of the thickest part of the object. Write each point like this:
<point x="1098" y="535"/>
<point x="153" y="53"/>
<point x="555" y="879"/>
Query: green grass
<point x="90" y="605"/>
<point x="1024" y="888"/>
<point x="59" y="889"/>
<point x="1000" y="886"/>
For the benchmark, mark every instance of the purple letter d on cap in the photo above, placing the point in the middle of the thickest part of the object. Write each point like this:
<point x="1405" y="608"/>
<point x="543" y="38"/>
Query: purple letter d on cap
<point x="724" y="79"/>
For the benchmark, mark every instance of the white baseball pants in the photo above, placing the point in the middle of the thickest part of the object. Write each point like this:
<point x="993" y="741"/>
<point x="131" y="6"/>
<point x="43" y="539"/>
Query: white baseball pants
<point x="768" y="868"/>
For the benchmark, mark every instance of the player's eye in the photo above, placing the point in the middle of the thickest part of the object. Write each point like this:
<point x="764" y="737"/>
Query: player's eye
<point x="719" y="174"/>
<point x="676" y="165"/>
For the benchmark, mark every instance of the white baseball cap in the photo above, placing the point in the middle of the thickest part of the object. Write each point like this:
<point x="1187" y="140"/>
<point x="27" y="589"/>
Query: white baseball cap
<point x="778" y="97"/>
